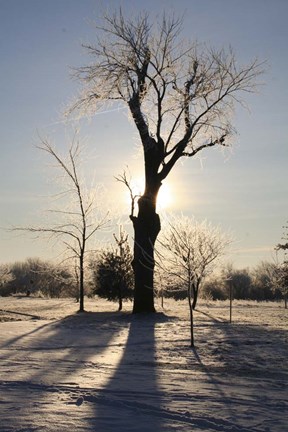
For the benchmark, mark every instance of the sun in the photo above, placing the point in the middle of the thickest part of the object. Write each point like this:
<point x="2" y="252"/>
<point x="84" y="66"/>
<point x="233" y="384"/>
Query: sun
<point x="164" y="199"/>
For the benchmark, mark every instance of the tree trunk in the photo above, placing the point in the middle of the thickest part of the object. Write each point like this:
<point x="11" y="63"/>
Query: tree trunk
<point x="146" y="229"/>
<point x="81" y="284"/>
<point x="191" y="318"/>
<point x="120" y="302"/>
<point x="195" y="296"/>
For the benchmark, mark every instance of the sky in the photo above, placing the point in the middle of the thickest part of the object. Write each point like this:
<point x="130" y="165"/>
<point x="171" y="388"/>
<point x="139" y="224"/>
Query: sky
<point x="244" y="190"/>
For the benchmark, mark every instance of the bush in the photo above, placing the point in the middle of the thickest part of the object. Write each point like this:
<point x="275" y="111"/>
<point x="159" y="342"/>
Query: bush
<point x="35" y="276"/>
<point x="214" y="289"/>
<point x="259" y="283"/>
<point x="113" y="275"/>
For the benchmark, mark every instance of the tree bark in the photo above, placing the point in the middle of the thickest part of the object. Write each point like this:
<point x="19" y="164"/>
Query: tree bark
<point x="146" y="228"/>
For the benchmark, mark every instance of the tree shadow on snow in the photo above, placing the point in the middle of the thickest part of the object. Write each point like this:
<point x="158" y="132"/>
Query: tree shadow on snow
<point x="244" y="348"/>
<point x="247" y="367"/>
<point x="131" y="400"/>
<point x="49" y="363"/>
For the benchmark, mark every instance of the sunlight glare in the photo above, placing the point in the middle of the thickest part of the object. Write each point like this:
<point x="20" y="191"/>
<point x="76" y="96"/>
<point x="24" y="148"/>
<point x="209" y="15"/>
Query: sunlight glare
<point x="164" y="199"/>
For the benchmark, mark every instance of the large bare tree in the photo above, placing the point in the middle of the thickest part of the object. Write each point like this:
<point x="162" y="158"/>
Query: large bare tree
<point x="180" y="95"/>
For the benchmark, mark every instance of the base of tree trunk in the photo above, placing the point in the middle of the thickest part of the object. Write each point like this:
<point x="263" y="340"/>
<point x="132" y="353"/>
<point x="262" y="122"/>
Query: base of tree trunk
<point x="138" y="310"/>
<point x="146" y="228"/>
<point x="144" y="301"/>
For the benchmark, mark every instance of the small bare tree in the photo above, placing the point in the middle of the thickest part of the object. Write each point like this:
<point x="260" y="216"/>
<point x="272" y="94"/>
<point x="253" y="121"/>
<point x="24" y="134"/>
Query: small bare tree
<point x="189" y="251"/>
<point x="77" y="223"/>
<point x="284" y="246"/>
<point x="180" y="96"/>
<point x="283" y="268"/>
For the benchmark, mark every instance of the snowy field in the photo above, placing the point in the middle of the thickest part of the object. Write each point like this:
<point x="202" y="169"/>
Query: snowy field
<point x="107" y="371"/>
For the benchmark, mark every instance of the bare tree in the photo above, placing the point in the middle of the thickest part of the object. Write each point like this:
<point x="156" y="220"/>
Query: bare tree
<point x="283" y="268"/>
<point x="282" y="279"/>
<point x="180" y="96"/>
<point x="5" y="274"/>
<point x="283" y="246"/>
<point x="34" y="276"/>
<point x="189" y="251"/>
<point x="77" y="224"/>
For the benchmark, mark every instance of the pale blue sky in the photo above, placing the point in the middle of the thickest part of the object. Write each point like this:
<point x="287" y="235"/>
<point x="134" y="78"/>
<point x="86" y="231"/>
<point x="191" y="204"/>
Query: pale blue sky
<point x="245" y="191"/>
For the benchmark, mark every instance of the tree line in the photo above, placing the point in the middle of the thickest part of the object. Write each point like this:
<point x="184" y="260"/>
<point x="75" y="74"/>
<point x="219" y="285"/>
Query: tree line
<point x="110" y="276"/>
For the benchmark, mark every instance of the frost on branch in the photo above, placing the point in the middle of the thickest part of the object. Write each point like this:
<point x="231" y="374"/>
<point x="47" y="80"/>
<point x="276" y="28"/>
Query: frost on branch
<point x="180" y="94"/>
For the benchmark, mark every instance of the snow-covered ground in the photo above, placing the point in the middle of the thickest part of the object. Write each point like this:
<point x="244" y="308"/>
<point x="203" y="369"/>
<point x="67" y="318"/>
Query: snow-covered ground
<point x="108" y="371"/>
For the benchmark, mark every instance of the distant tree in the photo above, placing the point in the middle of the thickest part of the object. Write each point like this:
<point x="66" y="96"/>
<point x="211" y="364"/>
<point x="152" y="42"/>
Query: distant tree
<point x="282" y="280"/>
<point x="113" y="273"/>
<point x="239" y="279"/>
<point x="78" y="223"/>
<point x="180" y="96"/>
<point x="4" y="273"/>
<point x="260" y="283"/>
<point x="5" y="278"/>
<point x="23" y="276"/>
<point x="214" y="288"/>
<point x="35" y="276"/>
<point x="264" y="281"/>
<point x="283" y="246"/>
<point x="189" y="251"/>
<point x="283" y="268"/>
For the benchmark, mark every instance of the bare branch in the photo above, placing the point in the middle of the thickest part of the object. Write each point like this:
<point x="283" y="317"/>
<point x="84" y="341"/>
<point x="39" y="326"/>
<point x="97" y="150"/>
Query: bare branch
<point x="188" y="250"/>
<point x="79" y="224"/>
<point x="179" y="92"/>
<point x="122" y="178"/>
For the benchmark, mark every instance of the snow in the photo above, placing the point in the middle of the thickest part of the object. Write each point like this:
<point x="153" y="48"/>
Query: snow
<point x="109" y="371"/>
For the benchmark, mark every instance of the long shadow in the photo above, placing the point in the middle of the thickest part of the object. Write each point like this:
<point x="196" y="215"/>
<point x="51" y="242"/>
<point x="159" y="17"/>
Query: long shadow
<point x="249" y="371"/>
<point x="67" y="365"/>
<point x="131" y="400"/>
<point x="12" y="341"/>
<point x="216" y="320"/>
<point x="220" y="394"/>
<point x="253" y="346"/>
<point x="50" y="364"/>
<point x="20" y="313"/>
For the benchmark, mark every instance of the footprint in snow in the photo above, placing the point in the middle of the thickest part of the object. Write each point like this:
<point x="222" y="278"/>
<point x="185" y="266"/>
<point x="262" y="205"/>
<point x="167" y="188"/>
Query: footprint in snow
<point x="79" y="401"/>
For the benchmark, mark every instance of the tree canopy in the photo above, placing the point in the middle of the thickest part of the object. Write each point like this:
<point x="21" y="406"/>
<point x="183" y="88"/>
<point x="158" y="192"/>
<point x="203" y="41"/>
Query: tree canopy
<point x="181" y="94"/>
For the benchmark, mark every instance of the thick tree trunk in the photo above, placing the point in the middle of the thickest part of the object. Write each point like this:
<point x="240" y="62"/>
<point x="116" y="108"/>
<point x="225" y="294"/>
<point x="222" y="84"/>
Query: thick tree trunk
<point x="146" y="225"/>
<point x="146" y="229"/>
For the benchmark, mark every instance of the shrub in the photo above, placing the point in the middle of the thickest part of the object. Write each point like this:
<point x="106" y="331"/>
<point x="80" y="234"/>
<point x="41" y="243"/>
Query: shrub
<point x="113" y="275"/>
